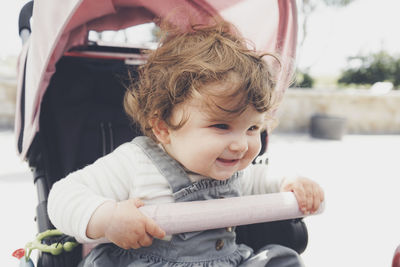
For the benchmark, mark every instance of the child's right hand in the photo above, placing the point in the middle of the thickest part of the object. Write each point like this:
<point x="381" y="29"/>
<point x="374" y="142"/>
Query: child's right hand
<point x="129" y="228"/>
<point x="123" y="224"/>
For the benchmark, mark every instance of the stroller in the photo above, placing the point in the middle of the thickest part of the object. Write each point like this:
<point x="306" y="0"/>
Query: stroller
<point x="69" y="110"/>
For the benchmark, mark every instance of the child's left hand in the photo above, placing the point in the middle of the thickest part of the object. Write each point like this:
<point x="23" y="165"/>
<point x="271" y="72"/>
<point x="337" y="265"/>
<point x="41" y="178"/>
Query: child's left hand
<point x="308" y="193"/>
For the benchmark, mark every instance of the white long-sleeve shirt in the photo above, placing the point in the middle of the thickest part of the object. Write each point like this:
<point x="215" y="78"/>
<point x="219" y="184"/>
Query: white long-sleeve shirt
<point x="123" y="174"/>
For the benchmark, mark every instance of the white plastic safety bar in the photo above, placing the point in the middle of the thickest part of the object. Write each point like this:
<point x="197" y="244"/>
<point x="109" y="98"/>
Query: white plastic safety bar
<point x="193" y="216"/>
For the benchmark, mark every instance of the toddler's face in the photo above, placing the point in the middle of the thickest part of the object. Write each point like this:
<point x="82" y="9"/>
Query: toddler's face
<point x="212" y="144"/>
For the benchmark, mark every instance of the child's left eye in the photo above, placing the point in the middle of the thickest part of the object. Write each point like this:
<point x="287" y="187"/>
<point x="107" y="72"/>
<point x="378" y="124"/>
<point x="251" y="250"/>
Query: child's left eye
<point x="254" y="128"/>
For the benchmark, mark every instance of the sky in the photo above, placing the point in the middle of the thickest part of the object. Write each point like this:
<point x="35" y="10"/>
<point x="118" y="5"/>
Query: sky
<point x="334" y="34"/>
<point x="362" y="27"/>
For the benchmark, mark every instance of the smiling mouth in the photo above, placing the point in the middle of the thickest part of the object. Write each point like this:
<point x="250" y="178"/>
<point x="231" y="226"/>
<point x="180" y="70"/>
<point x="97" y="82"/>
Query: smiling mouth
<point x="228" y="161"/>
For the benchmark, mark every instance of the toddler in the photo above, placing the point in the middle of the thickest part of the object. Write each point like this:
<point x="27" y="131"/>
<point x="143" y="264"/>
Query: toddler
<point x="202" y="100"/>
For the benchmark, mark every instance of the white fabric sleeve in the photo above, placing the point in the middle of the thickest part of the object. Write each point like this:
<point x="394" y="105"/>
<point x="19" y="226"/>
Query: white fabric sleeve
<point x="73" y="200"/>
<point x="255" y="180"/>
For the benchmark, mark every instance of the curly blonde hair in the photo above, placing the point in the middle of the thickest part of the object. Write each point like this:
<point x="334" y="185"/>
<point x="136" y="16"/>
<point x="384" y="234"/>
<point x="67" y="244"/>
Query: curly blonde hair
<point x="186" y="62"/>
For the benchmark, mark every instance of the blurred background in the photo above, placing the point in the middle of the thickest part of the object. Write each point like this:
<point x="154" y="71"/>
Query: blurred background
<point x="339" y="124"/>
<point x="348" y="55"/>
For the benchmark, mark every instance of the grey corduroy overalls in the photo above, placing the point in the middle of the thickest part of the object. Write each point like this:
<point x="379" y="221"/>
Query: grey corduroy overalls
<point x="206" y="248"/>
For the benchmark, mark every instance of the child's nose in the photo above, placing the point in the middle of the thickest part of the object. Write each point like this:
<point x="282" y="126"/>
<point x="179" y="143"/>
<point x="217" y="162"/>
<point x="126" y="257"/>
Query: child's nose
<point x="239" y="144"/>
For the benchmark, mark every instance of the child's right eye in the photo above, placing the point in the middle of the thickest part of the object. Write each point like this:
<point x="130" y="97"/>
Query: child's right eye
<point x="220" y="126"/>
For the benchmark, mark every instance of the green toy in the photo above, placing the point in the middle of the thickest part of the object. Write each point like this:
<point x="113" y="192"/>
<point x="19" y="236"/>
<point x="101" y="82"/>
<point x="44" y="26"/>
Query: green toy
<point x="54" y="249"/>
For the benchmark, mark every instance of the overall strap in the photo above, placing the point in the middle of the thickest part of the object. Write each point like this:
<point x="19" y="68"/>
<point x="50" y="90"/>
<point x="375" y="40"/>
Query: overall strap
<point x="169" y="167"/>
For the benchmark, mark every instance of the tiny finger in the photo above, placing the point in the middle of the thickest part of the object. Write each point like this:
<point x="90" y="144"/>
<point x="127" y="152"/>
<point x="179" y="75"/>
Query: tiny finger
<point x="145" y="241"/>
<point x="123" y="245"/>
<point x="310" y="197"/>
<point x="321" y="194"/>
<point x="316" y="202"/>
<point x="300" y="195"/>
<point x="321" y="197"/>
<point x="138" y="203"/>
<point x="154" y="230"/>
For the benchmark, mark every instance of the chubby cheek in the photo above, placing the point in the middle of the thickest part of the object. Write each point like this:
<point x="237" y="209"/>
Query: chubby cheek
<point x="195" y="153"/>
<point x="207" y="153"/>
<point x="254" y="148"/>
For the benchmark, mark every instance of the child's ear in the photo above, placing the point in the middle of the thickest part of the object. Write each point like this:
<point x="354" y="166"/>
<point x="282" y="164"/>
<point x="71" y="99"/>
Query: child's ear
<point x="160" y="130"/>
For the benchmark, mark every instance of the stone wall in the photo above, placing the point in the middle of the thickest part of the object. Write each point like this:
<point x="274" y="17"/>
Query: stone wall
<point x="365" y="113"/>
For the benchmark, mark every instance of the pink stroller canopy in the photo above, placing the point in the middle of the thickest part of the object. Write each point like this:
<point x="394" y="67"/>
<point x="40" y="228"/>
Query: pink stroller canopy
<point x="58" y="26"/>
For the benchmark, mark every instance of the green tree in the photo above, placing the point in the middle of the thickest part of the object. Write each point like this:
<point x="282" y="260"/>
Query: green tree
<point x="303" y="80"/>
<point x="377" y="67"/>
<point x="396" y="73"/>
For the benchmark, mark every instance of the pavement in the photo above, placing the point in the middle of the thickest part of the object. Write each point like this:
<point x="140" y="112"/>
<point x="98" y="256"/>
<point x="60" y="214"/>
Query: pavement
<point x="360" y="175"/>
